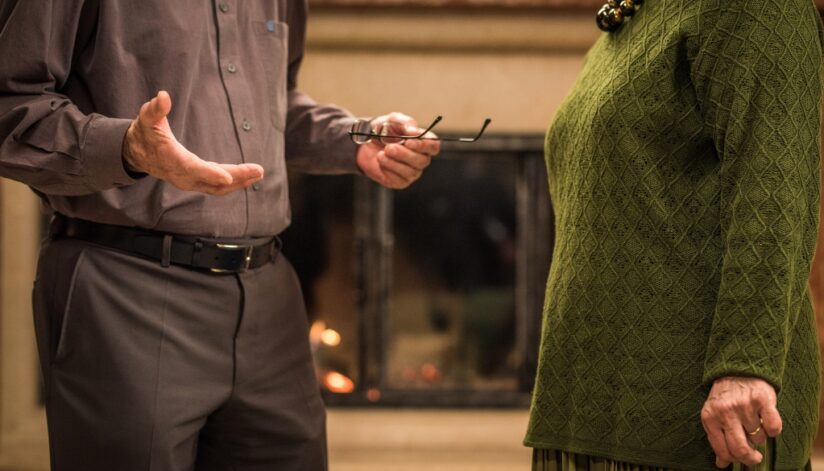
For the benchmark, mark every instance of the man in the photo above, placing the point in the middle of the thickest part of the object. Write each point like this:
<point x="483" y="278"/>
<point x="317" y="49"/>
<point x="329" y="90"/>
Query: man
<point x="172" y="335"/>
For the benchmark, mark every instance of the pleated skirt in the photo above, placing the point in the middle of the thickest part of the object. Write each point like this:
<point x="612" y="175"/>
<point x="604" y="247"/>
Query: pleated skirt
<point x="554" y="460"/>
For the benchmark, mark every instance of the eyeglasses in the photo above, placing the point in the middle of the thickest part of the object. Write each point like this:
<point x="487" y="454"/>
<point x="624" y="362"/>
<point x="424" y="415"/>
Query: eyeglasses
<point x="362" y="133"/>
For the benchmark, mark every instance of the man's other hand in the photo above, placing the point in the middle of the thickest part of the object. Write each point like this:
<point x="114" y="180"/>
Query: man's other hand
<point x="396" y="165"/>
<point x="150" y="147"/>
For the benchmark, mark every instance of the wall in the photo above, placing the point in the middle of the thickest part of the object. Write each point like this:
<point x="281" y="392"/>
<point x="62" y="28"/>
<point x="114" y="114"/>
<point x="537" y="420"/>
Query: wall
<point x="514" y="66"/>
<point x="20" y="414"/>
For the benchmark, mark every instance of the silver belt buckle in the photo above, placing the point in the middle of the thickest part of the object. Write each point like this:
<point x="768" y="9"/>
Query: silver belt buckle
<point x="247" y="257"/>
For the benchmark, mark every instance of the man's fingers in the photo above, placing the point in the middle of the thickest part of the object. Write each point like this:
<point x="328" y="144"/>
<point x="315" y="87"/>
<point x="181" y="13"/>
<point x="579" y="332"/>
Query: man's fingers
<point x="191" y="172"/>
<point x="223" y="190"/>
<point x="401" y="119"/>
<point x="397" y="124"/>
<point x="200" y="170"/>
<point x="407" y="156"/>
<point x="394" y="181"/>
<point x="243" y="172"/>
<point x="243" y="176"/>
<point x="407" y="173"/>
<point x="388" y="177"/>
<point x="428" y="147"/>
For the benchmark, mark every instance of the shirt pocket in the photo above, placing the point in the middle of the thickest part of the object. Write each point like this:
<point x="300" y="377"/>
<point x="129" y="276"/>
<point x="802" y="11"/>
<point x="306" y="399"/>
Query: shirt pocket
<point x="272" y="39"/>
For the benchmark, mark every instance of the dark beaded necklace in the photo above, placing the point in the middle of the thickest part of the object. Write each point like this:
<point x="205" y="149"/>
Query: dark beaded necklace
<point x="612" y="15"/>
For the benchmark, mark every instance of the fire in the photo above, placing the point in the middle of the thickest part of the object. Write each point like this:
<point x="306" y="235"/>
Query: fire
<point x="315" y="332"/>
<point x="330" y="338"/>
<point x="373" y="395"/>
<point x="319" y="335"/>
<point x="338" y="383"/>
<point x="431" y="373"/>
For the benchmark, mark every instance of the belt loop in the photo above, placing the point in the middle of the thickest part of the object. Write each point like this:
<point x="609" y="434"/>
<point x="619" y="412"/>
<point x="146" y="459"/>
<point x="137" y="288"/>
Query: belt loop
<point x="166" y="251"/>
<point x="274" y="249"/>
<point x="198" y="246"/>
<point x="57" y="225"/>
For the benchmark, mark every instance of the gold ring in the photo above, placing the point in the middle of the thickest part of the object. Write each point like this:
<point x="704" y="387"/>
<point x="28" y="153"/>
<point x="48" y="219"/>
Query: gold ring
<point x="756" y="431"/>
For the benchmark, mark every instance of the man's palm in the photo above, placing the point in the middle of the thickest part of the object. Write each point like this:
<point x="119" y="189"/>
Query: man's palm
<point x="152" y="148"/>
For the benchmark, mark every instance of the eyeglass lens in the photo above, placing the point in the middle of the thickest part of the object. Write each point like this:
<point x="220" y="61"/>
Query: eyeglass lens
<point x="390" y="131"/>
<point x="362" y="132"/>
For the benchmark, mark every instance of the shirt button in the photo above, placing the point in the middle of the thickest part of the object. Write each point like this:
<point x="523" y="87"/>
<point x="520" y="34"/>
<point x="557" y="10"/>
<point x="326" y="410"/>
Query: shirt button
<point x="232" y="68"/>
<point x="223" y="7"/>
<point x="256" y="186"/>
<point x="247" y="126"/>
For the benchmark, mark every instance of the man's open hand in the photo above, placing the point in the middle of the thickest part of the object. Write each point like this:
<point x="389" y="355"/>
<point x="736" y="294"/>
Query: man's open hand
<point x="150" y="147"/>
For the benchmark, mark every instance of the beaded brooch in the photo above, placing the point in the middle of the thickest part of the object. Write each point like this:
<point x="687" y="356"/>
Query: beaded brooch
<point x="612" y="15"/>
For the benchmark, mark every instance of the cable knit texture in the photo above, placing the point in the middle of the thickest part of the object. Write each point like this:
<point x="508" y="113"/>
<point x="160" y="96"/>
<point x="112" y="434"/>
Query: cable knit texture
<point x="684" y="171"/>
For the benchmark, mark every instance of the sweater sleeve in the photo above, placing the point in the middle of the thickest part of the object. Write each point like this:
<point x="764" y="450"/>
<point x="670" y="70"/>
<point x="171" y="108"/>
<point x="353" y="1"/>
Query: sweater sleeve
<point x="46" y="142"/>
<point x="756" y="68"/>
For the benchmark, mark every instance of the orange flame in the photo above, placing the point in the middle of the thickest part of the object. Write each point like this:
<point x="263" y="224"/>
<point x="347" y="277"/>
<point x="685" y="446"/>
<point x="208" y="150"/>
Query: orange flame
<point x="338" y="383"/>
<point x="330" y="338"/>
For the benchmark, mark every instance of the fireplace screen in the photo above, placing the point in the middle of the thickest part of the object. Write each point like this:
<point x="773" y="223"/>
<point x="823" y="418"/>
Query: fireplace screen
<point x="430" y="296"/>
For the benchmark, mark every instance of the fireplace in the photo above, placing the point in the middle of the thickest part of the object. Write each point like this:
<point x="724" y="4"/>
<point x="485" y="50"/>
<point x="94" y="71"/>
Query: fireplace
<point x="429" y="296"/>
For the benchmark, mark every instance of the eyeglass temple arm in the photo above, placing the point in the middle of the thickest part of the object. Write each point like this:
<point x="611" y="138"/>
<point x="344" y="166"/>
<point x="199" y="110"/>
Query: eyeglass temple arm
<point x="462" y="139"/>
<point x="481" y="132"/>
<point x="431" y="127"/>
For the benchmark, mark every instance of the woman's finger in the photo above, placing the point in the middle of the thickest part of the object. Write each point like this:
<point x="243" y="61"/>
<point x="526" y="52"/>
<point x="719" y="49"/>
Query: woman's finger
<point x="738" y="446"/>
<point x="755" y="433"/>
<point x="715" y="435"/>
<point x="764" y="403"/>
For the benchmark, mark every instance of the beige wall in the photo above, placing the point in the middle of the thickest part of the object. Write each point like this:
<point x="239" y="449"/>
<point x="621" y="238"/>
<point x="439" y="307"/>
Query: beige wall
<point x="19" y="374"/>
<point x="512" y="67"/>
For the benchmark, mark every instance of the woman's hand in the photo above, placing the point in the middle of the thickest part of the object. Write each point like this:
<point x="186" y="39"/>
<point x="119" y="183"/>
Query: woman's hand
<point x="739" y="413"/>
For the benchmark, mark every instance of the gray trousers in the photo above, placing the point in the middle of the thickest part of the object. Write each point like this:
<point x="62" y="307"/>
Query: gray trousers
<point x="170" y="369"/>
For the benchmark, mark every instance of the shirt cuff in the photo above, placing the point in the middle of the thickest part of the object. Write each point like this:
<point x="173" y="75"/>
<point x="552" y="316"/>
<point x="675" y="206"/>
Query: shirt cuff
<point x="102" y="153"/>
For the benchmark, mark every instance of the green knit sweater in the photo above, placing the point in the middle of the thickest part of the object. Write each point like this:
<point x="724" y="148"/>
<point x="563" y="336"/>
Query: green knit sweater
<point x="684" y="172"/>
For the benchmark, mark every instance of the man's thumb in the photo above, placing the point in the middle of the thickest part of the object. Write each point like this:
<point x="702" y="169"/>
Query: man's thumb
<point x="159" y="107"/>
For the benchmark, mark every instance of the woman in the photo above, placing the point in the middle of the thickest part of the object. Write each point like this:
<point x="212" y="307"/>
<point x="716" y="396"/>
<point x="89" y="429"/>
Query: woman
<point x="684" y="172"/>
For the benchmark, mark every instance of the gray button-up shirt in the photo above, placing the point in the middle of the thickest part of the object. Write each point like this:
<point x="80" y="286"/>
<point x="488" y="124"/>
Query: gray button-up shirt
<point x="74" y="73"/>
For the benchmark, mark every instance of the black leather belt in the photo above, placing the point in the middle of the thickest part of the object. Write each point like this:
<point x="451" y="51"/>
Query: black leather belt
<point x="215" y="256"/>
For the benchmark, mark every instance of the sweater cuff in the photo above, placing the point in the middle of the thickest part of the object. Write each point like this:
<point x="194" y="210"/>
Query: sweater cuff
<point x="103" y="153"/>
<point x="741" y="370"/>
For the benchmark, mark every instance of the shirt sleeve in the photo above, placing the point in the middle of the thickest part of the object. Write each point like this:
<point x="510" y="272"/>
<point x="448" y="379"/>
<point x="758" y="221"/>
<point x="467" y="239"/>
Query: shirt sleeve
<point x="46" y="141"/>
<point x="317" y="136"/>
<point x="756" y="69"/>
